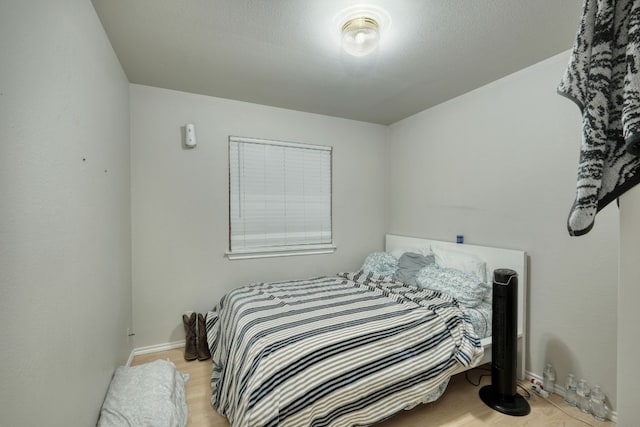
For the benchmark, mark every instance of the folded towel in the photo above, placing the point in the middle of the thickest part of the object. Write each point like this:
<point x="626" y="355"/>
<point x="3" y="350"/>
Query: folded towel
<point x="149" y="395"/>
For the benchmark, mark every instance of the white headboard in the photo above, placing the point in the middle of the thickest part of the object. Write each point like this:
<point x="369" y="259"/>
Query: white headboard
<point x="495" y="258"/>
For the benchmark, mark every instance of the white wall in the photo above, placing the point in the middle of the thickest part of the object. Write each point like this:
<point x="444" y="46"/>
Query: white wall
<point x="65" y="259"/>
<point x="180" y="202"/>
<point x="498" y="165"/>
<point x="628" y="297"/>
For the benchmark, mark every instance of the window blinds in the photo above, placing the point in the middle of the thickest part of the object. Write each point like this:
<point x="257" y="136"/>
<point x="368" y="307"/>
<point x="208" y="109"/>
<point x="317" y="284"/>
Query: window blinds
<point x="279" y="195"/>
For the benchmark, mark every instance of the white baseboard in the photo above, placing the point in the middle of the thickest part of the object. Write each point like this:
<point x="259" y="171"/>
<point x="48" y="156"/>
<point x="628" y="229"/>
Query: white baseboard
<point x="559" y="390"/>
<point x="154" y="349"/>
<point x="130" y="359"/>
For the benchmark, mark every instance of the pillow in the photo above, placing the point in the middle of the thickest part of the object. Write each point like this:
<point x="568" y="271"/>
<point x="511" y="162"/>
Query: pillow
<point x="464" y="287"/>
<point x="460" y="261"/>
<point x="422" y="251"/>
<point x="408" y="266"/>
<point x="380" y="263"/>
<point x="481" y="318"/>
<point x="488" y="297"/>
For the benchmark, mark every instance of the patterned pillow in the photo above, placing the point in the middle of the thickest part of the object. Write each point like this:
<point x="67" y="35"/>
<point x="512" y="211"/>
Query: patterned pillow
<point x="480" y="317"/>
<point x="380" y="263"/>
<point x="464" y="287"/>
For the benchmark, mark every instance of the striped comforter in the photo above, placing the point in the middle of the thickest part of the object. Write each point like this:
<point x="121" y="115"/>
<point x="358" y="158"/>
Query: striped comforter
<point x="333" y="351"/>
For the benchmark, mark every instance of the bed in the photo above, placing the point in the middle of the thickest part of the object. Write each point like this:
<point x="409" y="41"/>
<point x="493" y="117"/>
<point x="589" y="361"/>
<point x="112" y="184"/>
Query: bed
<point x="348" y="349"/>
<point x="495" y="258"/>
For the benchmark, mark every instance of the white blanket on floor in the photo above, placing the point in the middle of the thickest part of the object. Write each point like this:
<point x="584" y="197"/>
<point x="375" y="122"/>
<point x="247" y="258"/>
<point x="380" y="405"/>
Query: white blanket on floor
<point x="150" y="395"/>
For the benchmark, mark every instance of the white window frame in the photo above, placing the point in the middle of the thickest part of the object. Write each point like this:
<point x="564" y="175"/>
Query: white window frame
<point x="309" y="248"/>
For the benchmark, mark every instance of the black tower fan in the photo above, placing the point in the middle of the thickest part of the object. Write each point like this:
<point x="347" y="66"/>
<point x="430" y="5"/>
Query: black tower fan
<point x="501" y="395"/>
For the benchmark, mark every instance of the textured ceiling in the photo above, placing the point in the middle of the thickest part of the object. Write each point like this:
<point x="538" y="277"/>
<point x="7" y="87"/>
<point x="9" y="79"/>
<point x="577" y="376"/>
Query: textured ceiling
<point x="286" y="53"/>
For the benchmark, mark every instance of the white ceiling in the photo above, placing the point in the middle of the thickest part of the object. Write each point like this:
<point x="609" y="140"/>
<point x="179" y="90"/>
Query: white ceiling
<point x="286" y="53"/>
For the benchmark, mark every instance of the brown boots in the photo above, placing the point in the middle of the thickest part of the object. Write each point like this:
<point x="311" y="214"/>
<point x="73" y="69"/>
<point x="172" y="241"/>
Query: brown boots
<point x="203" y="346"/>
<point x="190" y="336"/>
<point x="195" y="347"/>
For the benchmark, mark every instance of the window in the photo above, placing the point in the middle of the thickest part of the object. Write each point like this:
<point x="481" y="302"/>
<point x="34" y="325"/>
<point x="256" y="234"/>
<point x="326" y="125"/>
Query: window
<point x="279" y="198"/>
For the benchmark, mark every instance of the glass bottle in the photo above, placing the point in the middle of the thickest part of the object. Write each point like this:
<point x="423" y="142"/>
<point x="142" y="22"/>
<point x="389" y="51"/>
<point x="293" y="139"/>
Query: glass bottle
<point x="598" y="408"/>
<point x="549" y="378"/>
<point x="584" y="395"/>
<point x="570" y="386"/>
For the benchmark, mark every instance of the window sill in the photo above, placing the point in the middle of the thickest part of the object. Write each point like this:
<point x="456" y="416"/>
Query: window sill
<point x="280" y="252"/>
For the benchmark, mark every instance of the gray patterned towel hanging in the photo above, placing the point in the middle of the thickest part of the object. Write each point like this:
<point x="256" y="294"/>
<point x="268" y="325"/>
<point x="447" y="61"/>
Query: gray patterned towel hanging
<point x="603" y="79"/>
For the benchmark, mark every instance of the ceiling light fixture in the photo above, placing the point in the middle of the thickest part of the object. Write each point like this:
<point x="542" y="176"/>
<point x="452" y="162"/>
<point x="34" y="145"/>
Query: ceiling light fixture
<point x="360" y="35"/>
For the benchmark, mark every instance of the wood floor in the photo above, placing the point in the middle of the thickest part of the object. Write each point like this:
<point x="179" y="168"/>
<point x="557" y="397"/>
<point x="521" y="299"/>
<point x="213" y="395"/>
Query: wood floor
<point x="459" y="406"/>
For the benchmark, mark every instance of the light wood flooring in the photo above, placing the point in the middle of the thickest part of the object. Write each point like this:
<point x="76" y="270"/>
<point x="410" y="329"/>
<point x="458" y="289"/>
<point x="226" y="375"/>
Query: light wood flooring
<point x="459" y="406"/>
